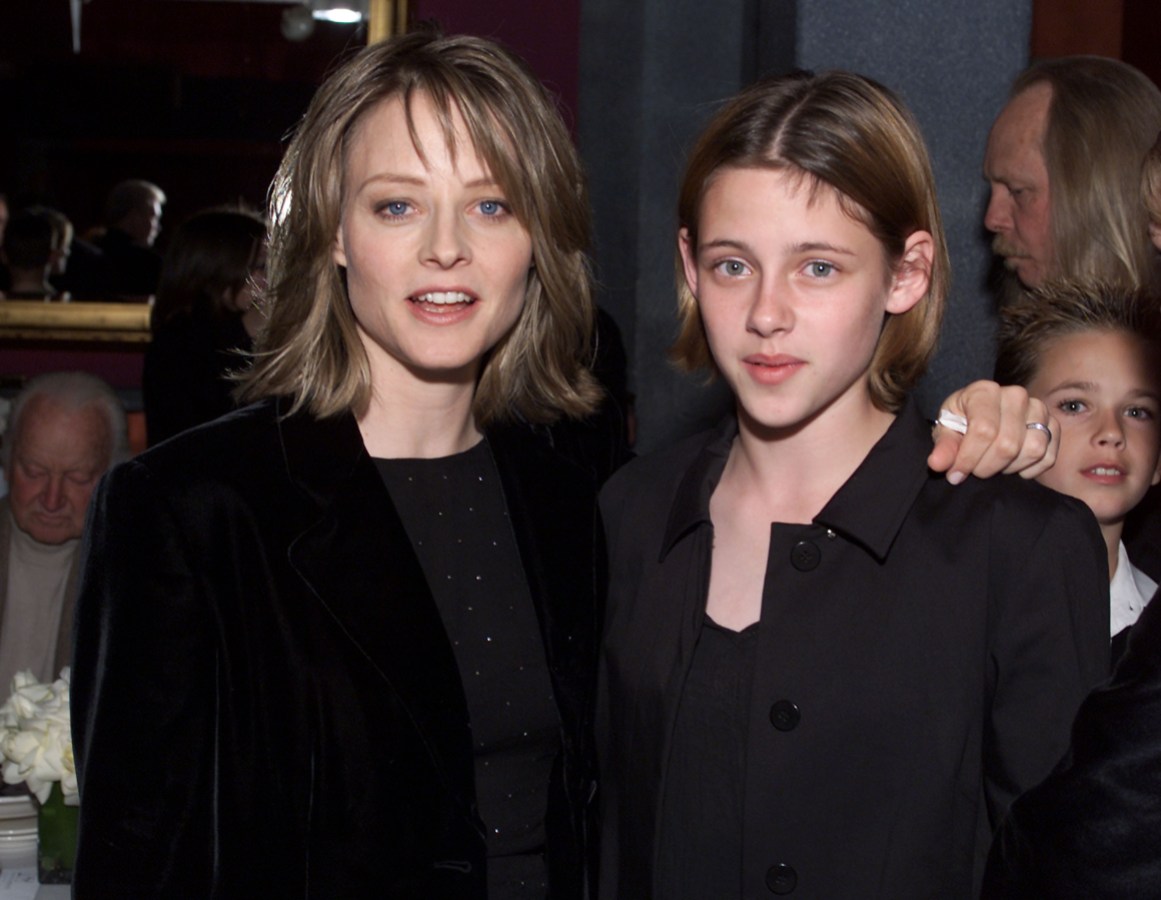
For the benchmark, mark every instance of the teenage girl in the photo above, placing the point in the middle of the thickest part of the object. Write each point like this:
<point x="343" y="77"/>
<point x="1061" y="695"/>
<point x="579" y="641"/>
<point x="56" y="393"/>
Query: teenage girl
<point x="827" y="671"/>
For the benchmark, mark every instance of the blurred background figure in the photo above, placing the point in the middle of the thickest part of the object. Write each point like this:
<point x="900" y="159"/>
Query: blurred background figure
<point x="64" y="431"/>
<point x="63" y="236"/>
<point x="204" y="319"/>
<point x="132" y="222"/>
<point x="35" y="245"/>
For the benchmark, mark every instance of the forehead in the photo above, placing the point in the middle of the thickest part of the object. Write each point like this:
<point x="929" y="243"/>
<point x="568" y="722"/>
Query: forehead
<point x="1102" y="356"/>
<point x="1019" y="128"/>
<point x="736" y="189"/>
<point x="52" y="434"/>
<point x="400" y="127"/>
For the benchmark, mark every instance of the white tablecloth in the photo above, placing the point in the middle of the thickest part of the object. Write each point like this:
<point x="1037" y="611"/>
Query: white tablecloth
<point x="20" y="884"/>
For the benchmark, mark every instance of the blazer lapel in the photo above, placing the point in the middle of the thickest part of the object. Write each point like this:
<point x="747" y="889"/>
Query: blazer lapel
<point x="553" y="512"/>
<point x="357" y="559"/>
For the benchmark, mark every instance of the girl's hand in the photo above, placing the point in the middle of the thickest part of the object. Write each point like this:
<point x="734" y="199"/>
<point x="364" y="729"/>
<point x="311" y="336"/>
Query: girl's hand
<point x="998" y="438"/>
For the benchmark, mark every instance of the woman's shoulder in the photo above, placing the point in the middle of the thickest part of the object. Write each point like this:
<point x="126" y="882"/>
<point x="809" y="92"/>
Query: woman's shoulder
<point x="237" y="431"/>
<point x="248" y="448"/>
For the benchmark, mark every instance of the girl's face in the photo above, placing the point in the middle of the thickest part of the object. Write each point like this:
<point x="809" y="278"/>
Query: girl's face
<point x="794" y="293"/>
<point x="437" y="264"/>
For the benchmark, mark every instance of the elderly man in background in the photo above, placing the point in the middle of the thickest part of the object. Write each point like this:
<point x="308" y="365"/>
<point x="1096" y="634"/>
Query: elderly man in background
<point x="64" y="432"/>
<point x="1063" y="162"/>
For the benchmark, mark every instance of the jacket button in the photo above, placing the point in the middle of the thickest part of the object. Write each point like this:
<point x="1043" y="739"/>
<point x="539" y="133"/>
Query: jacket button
<point x="805" y="556"/>
<point x="785" y="715"/>
<point x="781" y="879"/>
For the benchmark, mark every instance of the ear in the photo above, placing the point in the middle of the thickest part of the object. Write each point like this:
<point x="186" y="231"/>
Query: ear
<point x="338" y="253"/>
<point x="688" y="259"/>
<point x="1156" y="474"/>
<point x="912" y="275"/>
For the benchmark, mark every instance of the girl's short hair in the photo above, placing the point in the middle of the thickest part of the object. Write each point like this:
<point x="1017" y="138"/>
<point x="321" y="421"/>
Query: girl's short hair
<point x="309" y="347"/>
<point x="851" y="134"/>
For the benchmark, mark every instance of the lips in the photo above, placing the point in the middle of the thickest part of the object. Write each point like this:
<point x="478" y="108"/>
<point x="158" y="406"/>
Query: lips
<point x="1104" y="474"/>
<point x="772" y="369"/>
<point x="443" y="307"/>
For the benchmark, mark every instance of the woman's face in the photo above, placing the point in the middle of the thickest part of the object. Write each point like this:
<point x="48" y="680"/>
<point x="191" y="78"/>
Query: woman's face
<point x="437" y="264"/>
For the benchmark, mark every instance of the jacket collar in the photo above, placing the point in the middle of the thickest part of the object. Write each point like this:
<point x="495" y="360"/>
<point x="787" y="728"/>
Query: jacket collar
<point x="868" y="509"/>
<point x="356" y="558"/>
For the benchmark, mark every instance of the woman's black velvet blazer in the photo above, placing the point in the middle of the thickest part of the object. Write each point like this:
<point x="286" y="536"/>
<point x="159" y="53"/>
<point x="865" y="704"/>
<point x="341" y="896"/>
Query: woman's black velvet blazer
<point x="265" y="701"/>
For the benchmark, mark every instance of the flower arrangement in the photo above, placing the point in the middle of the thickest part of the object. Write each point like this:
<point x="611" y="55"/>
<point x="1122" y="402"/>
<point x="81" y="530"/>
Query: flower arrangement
<point x="35" y="739"/>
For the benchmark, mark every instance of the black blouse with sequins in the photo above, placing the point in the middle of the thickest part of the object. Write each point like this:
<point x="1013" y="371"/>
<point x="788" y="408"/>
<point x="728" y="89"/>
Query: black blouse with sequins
<point x="455" y="514"/>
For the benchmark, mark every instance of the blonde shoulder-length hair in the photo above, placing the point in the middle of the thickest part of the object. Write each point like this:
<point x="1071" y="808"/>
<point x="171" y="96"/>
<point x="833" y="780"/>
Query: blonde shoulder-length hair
<point x="1103" y="119"/>
<point x="851" y="134"/>
<point x="309" y="348"/>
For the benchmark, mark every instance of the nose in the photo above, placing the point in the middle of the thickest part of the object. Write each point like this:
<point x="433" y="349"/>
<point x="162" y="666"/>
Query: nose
<point x="998" y="215"/>
<point x="52" y="498"/>
<point x="771" y="311"/>
<point x="1110" y="430"/>
<point x="446" y="244"/>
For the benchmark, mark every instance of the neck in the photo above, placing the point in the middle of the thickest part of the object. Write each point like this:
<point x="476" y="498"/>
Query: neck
<point x="798" y="470"/>
<point x="411" y="418"/>
<point x="1112" y="535"/>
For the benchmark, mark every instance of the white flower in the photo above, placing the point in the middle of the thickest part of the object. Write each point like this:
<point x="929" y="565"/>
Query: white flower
<point x="35" y="739"/>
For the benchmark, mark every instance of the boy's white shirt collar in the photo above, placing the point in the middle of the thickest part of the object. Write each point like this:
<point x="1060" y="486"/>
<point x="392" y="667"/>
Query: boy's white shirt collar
<point x="1129" y="591"/>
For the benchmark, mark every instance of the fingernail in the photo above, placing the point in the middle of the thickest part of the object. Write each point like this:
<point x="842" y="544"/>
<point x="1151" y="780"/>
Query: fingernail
<point x="956" y="477"/>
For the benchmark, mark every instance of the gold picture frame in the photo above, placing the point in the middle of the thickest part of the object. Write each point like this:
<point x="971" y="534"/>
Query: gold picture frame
<point x="386" y="18"/>
<point x="97" y="323"/>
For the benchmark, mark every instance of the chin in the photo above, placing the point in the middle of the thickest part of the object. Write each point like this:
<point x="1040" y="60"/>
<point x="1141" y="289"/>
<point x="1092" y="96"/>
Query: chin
<point x="50" y="536"/>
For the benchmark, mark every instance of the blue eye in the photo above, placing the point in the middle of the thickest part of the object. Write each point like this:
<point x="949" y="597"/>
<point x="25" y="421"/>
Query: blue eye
<point x="492" y="208"/>
<point x="820" y="269"/>
<point x="732" y="268"/>
<point x="394" y="209"/>
<point x="1139" y="412"/>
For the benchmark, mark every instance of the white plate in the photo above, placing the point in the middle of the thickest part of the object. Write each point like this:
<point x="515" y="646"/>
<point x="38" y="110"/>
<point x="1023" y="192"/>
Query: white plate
<point x="17" y="807"/>
<point x="18" y="850"/>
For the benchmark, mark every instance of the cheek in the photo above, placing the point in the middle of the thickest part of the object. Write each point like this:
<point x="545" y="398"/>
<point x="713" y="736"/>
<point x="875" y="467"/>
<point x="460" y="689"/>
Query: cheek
<point x="23" y="491"/>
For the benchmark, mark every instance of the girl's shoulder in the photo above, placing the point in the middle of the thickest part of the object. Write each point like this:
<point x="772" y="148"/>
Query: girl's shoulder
<point x="656" y="475"/>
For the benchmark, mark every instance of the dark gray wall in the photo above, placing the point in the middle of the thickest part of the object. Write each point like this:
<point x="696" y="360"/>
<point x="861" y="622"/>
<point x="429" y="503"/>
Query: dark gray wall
<point x="652" y="72"/>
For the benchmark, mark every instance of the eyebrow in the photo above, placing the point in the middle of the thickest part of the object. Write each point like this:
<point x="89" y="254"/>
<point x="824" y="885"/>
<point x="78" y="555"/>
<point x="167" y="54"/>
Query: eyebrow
<point x="398" y="178"/>
<point x="802" y="247"/>
<point x="1138" y="394"/>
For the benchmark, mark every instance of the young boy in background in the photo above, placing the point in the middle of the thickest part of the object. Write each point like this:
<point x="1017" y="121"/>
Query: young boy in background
<point x="1092" y="353"/>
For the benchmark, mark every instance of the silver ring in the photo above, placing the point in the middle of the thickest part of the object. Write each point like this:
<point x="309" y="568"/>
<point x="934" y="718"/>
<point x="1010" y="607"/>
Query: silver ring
<point x="1040" y="426"/>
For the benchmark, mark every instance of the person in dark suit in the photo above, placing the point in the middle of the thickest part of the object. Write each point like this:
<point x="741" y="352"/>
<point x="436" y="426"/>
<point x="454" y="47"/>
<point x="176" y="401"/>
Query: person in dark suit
<point x="342" y="642"/>
<point x="128" y="266"/>
<point x="1092" y="829"/>
<point x="826" y="671"/>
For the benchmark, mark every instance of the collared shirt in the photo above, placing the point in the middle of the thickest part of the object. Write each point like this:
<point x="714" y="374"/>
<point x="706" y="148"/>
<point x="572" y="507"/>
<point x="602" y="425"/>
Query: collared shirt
<point x="1129" y="592"/>
<point x="922" y="651"/>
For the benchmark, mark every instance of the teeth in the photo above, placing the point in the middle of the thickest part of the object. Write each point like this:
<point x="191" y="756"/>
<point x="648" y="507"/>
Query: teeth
<point x="1102" y="470"/>
<point x="443" y="298"/>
